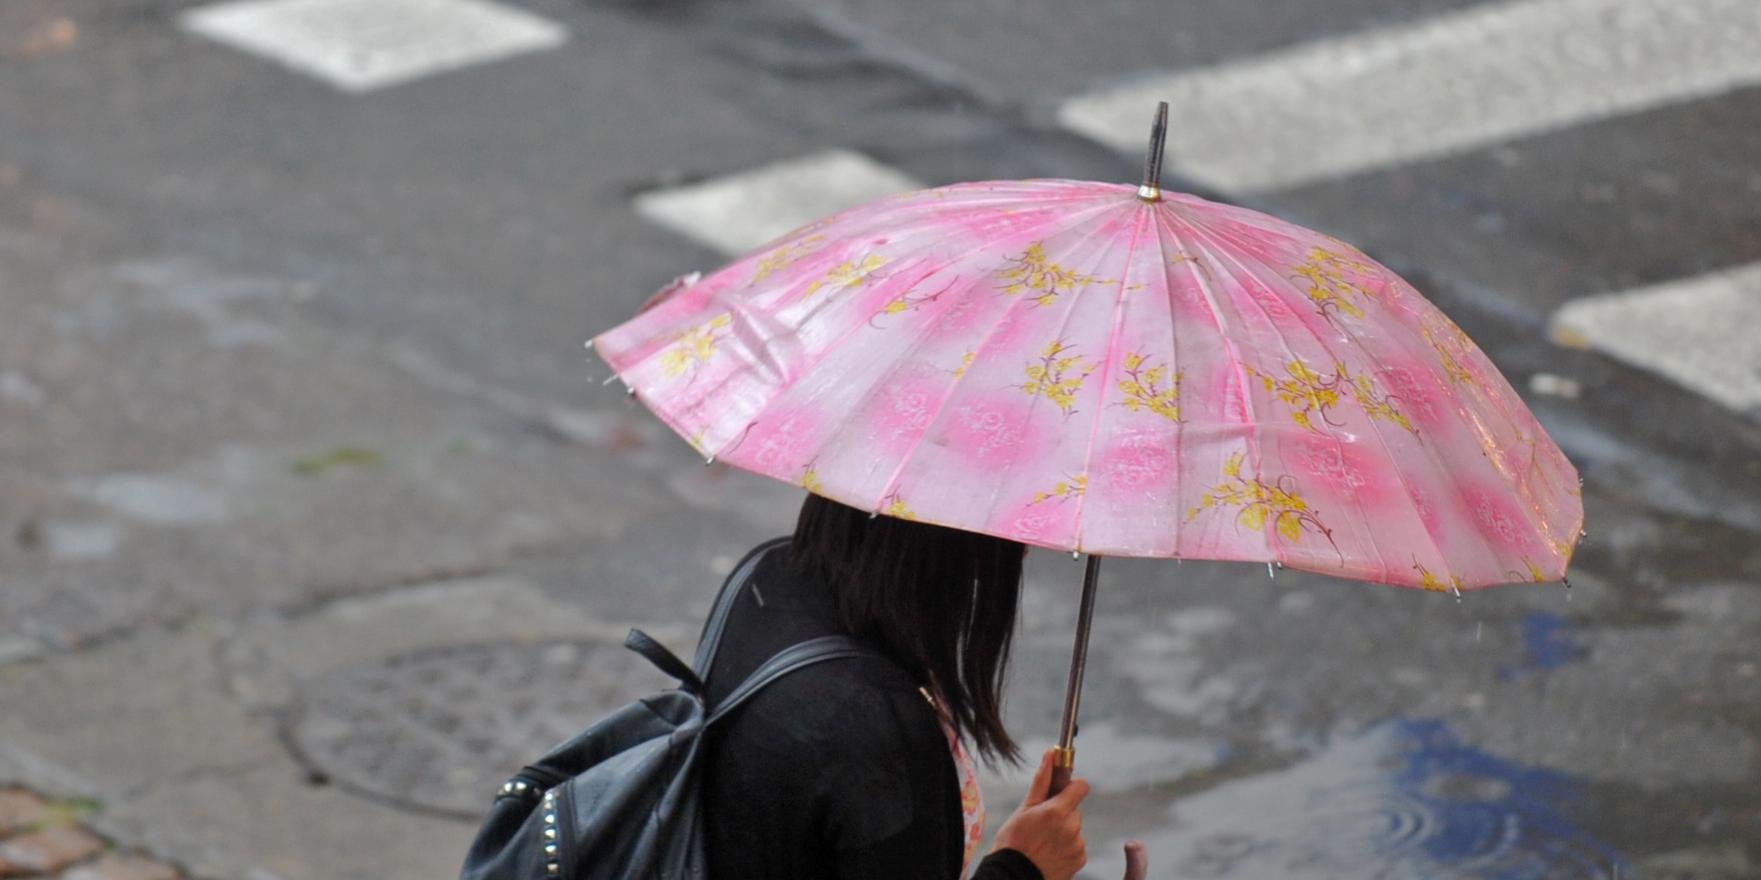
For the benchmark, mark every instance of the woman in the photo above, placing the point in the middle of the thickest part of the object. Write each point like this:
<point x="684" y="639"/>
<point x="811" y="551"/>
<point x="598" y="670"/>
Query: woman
<point x="856" y="768"/>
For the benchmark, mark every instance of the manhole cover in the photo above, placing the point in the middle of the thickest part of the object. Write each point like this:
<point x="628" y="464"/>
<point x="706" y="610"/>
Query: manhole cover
<point x="442" y="728"/>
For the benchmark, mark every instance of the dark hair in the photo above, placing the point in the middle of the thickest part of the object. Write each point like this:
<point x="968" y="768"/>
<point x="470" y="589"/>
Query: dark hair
<point x="939" y="600"/>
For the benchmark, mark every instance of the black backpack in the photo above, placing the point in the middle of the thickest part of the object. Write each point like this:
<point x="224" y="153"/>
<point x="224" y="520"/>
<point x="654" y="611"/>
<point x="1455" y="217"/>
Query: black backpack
<point x="620" y="801"/>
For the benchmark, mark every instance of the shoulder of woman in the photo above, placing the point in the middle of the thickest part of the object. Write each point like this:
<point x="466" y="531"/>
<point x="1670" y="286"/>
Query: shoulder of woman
<point x="861" y="701"/>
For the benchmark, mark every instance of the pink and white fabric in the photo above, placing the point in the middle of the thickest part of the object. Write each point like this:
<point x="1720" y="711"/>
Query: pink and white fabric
<point x="1067" y="365"/>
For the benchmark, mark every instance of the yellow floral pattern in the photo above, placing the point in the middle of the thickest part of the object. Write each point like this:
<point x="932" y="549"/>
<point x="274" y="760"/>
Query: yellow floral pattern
<point x="694" y="347"/>
<point x="1328" y="287"/>
<point x="1310" y="393"/>
<point x="810" y="479"/>
<point x="1306" y="392"/>
<point x="1071" y="488"/>
<point x="780" y="258"/>
<point x="1143" y="390"/>
<point x="909" y="301"/>
<point x="1376" y="405"/>
<point x="1434" y="583"/>
<point x="896" y="507"/>
<point x="850" y="273"/>
<point x="1058" y="375"/>
<point x="1535" y="573"/>
<point x="1260" y="502"/>
<point x="1034" y="271"/>
<point x="1184" y="257"/>
<point x="1451" y="345"/>
<point x="965" y="363"/>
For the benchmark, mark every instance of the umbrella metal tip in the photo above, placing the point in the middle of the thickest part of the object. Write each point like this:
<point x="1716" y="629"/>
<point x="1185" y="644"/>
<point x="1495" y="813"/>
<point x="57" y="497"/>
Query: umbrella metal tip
<point x="1151" y="190"/>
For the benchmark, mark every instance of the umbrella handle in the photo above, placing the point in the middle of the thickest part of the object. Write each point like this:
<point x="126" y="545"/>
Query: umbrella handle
<point x="1065" y="764"/>
<point x="1060" y="779"/>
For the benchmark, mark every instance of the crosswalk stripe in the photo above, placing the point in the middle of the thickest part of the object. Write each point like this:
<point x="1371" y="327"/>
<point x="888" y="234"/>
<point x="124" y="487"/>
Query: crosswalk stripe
<point x="360" y="45"/>
<point x="1449" y="83"/>
<point x="1699" y="332"/>
<point x="738" y="212"/>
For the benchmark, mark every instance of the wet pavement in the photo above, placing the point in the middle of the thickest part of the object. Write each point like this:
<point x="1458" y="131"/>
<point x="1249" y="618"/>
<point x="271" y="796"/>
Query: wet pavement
<point x="317" y="521"/>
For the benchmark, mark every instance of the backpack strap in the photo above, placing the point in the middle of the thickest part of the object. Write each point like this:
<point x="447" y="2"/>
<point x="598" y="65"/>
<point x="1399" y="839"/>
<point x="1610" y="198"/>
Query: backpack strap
<point x="790" y="659"/>
<point x="664" y="660"/>
<point x="724" y="605"/>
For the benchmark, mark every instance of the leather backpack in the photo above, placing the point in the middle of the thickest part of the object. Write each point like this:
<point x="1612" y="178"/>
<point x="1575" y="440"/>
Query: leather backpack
<point x="620" y="800"/>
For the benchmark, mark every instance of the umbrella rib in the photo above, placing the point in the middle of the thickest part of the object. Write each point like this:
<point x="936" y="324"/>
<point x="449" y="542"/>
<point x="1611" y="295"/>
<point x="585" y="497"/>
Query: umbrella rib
<point x="1070" y="221"/>
<point x="1253" y="439"/>
<point x="1106" y="368"/>
<point x="1174" y="366"/>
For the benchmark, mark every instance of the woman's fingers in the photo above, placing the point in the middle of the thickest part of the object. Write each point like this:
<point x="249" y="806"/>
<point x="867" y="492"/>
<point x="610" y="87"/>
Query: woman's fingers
<point x="1137" y="861"/>
<point x="1072" y="794"/>
<point x="1042" y="780"/>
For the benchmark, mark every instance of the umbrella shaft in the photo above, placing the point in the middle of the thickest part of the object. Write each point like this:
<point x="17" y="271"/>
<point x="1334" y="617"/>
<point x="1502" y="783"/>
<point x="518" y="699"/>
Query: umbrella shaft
<point x="1091" y="576"/>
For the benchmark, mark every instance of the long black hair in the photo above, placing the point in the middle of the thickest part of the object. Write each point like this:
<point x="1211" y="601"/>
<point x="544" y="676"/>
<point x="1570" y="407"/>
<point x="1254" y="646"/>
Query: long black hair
<point x="941" y="601"/>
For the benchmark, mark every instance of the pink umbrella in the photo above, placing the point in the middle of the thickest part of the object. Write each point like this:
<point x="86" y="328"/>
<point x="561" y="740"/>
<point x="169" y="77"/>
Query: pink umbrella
<point x="1113" y="370"/>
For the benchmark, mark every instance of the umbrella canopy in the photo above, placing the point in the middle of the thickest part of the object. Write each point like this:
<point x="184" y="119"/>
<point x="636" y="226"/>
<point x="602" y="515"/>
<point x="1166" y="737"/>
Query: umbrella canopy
<point x="1077" y="366"/>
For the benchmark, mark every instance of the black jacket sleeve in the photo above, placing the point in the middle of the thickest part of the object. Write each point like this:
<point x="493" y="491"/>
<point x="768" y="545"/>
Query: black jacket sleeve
<point x="1007" y="864"/>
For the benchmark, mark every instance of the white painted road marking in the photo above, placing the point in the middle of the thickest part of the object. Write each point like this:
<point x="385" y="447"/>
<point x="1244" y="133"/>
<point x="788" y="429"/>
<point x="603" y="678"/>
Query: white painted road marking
<point x="738" y="212"/>
<point x="1700" y="332"/>
<point x="1449" y="83"/>
<point x="359" y="45"/>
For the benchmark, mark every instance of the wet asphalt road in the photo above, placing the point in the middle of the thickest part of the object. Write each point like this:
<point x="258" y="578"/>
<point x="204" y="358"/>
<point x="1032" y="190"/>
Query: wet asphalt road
<point x="273" y="346"/>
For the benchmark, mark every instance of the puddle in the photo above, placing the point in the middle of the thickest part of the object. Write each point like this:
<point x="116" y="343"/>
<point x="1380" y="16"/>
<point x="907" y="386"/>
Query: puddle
<point x="1549" y="642"/>
<point x="1405" y="800"/>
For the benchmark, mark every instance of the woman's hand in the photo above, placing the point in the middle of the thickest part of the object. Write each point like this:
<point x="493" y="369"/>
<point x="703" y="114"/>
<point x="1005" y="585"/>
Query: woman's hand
<point x="1048" y="830"/>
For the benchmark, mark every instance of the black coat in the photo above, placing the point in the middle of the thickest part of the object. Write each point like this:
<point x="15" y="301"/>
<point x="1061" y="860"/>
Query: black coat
<point x="838" y="771"/>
